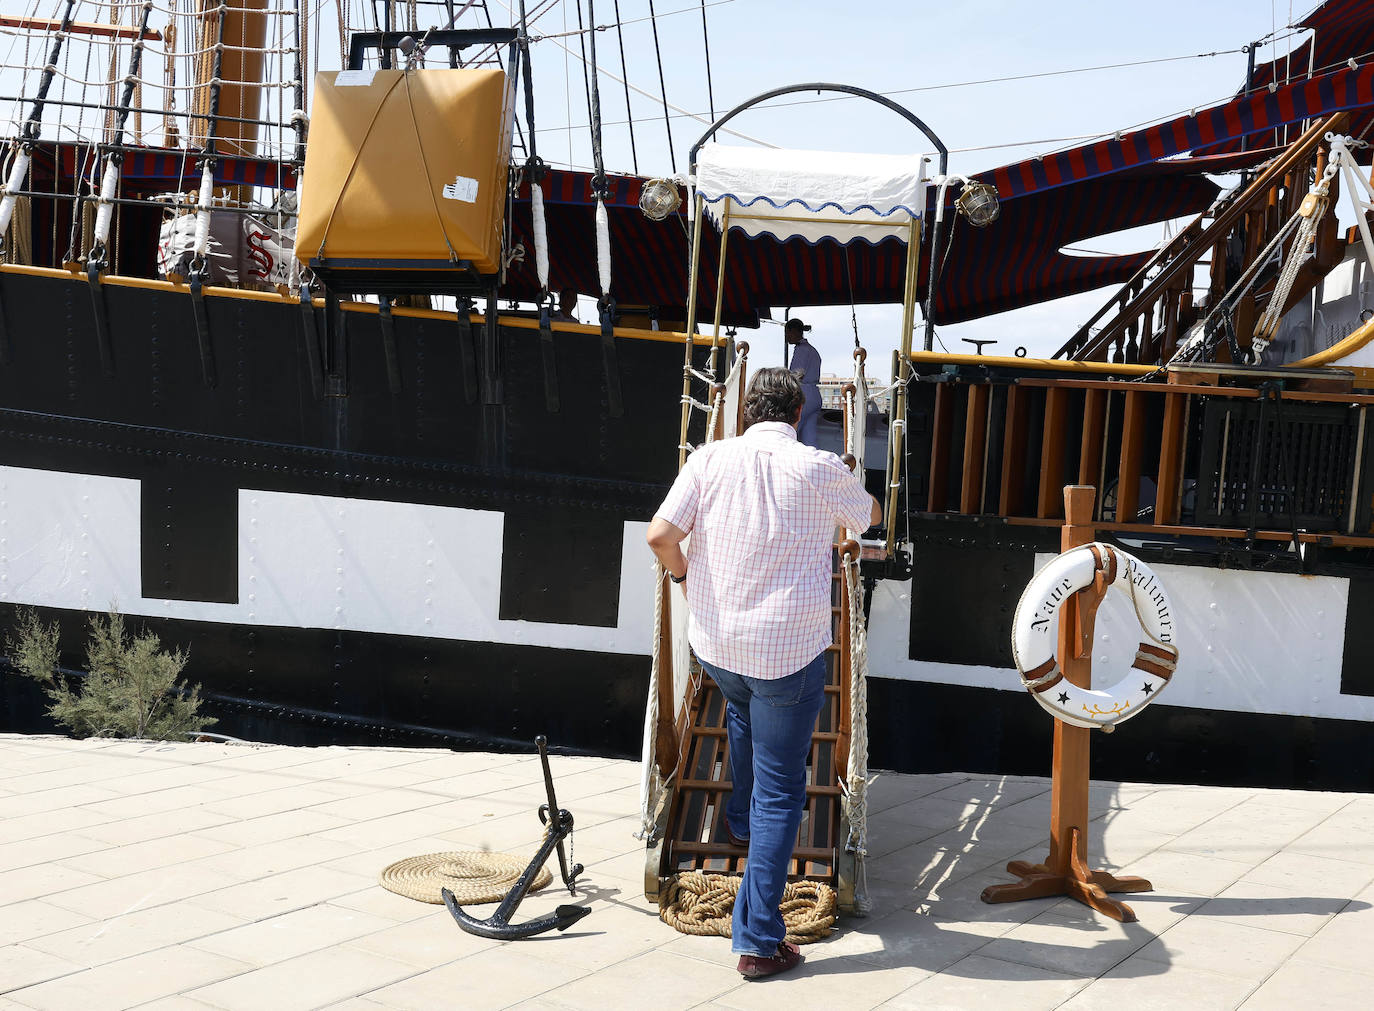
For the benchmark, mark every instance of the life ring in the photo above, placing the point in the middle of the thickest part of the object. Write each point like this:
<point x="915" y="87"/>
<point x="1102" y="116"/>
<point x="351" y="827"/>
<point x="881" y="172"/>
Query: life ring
<point x="1033" y="638"/>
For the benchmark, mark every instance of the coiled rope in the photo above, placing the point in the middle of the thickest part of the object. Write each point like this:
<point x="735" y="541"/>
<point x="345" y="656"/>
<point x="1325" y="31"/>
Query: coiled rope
<point x="472" y="877"/>
<point x="702" y="904"/>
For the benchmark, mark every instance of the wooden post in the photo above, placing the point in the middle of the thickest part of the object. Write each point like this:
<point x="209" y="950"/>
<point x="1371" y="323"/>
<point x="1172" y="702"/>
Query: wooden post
<point x="1065" y="871"/>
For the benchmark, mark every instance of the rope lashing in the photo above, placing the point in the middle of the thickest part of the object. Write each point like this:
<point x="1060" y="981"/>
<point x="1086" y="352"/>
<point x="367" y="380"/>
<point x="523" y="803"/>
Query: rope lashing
<point x="13" y="185"/>
<point x="651" y="783"/>
<point x="534" y="167"/>
<point x="702" y="904"/>
<point x="1311" y="213"/>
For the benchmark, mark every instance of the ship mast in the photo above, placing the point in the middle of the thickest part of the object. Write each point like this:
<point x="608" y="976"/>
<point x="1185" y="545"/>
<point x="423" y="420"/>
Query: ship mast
<point x="229" y="72"/>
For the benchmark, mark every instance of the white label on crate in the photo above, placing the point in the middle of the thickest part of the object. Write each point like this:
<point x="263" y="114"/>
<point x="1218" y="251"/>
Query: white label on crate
<point x="354" y="78"/>
<point x="462" y="188"/>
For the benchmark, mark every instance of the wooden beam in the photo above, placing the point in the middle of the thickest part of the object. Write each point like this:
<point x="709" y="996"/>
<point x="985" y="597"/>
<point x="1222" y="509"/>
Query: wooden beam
<point x="941" y="432"/>
<point x="1132" y="453"/>
<point x="77" y="27"/>
<point x="975" y="448"/>
<point x="1015" y="434"/>
<point x="1094" y="432"/>
<point x="1049" y="500"/>
<point x="1171" y="448"/>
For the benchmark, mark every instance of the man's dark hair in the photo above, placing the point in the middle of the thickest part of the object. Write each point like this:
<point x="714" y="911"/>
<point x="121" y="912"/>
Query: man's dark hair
<point x="773" y="395"/>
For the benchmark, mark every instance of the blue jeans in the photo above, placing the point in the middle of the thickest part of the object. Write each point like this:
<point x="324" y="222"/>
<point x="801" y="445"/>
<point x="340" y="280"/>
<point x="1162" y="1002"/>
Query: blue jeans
<point x="768" y="725"/>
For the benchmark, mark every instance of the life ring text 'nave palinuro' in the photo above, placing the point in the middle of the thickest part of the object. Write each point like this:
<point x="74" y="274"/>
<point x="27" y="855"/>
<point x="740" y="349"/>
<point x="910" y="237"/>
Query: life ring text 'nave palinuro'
<point x="1033" y="636"/>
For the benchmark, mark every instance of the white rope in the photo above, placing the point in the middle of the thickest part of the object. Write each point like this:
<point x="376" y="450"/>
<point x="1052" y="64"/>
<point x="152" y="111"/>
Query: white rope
<point x="541" y="235"/>
<point x="651" y="781"/>
<point x="104" y="213"/>
<point x="13" y="186"/>
<point x="207" y="191"/>
<point x="603" y="248"/>
<point x="855" y="785"/>
<point x="713" y="418"/>
<point x="1316" y="204"/>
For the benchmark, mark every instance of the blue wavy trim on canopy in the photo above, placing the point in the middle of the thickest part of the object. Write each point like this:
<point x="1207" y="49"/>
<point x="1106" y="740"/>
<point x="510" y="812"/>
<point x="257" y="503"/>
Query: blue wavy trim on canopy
<point x="828" y="238"/>
<point x="814" y="210"/>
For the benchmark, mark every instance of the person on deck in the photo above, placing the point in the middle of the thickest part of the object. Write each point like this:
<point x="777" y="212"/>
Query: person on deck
<point x="762" y="510"/>
<point x="806" y="360"/>
<point x="567" y="306"/>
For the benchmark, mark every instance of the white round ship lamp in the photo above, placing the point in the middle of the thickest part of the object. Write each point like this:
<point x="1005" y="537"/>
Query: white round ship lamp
<point x="658" y="198"/>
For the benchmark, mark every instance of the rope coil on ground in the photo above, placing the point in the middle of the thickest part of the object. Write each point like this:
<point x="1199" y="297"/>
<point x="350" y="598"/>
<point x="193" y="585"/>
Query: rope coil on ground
<point x="472" y="877"/>
<point x="702" y="904"/>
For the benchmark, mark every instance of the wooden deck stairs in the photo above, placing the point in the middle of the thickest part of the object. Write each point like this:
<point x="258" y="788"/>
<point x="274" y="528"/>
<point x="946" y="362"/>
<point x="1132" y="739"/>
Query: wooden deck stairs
<point x="694" y="836"/>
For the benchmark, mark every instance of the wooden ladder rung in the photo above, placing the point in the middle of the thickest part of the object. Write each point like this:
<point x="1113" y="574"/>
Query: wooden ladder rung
<point x="724" y="786"/>
<point x="726" y="850"/>
<point x="819" y="735"/>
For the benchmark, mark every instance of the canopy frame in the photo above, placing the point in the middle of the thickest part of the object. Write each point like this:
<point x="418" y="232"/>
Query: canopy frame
<point x="902" y="367"/>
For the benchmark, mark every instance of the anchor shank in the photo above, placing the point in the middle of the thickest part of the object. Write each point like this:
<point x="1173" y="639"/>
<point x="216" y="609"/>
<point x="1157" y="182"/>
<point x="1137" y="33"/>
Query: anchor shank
<point x="521" y="886"/>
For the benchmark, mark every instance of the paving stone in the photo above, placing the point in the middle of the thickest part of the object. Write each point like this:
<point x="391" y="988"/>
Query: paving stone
<point x="1145" y="985"/>
<point x="22" y="966"/>
<point x="299" y="932"/>
<point x="125" y="894"/>
<point x="129" y="982"/>
<point x="134" y="934"/>
<point x="1085" y="946"/>
<point x="1274" y="908"/>
<point x="281" y="893"/>
<point x="20" y="921"/>
<point x="308" y="981"/>
<point x="1222" y="946"/>
<point x="692" y="982"/>
<point x="498" y="977"/>
<point x="247" y="877"/>
<point x="980" y="982"/>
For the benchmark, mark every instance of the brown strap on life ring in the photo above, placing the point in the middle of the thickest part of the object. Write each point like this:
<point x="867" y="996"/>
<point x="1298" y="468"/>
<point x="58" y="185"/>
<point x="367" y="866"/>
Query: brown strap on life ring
<point x="1048" y="671"/>
<point x="1156" y="660"/>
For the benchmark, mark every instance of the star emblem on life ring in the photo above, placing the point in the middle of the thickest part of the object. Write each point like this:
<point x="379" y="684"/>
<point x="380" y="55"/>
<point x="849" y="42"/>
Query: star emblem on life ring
<point x="1063" y="696"/>
<point x="1147" y="688"/>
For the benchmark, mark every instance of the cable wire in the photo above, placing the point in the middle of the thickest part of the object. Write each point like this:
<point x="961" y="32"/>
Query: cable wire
<point x="663" y="86"/>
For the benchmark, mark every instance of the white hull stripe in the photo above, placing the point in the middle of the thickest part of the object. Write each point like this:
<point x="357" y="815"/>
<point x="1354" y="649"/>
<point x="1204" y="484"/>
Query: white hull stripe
<point x="308" y="561"/>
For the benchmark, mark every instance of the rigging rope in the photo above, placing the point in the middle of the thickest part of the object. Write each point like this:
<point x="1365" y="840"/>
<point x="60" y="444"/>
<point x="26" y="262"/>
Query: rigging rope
<point x="534" y="168"/>
<point x="629" y="113"/>
<point x="706" y="46"/>
<point x="603" y="227"/>
<point x="663" y="87"/>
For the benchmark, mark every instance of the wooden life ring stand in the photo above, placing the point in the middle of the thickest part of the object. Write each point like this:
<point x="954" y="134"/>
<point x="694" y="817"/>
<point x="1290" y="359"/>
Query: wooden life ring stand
<point x="1033" y="639"/>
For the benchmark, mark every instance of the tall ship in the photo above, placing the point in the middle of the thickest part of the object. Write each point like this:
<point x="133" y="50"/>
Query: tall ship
<point x="284" y="377"/>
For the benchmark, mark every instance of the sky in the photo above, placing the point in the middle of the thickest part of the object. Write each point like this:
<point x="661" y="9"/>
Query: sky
<point x="890" y="47"/>
<point x="997" y="80"/>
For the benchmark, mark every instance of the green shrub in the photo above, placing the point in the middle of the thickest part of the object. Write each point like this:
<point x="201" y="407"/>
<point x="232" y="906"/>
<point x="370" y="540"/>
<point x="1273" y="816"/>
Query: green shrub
<point x="130" y="689"/>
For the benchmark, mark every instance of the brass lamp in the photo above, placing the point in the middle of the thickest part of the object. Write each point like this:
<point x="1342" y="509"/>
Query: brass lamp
<point x="658" y="198"/>
<point x="979" y="204"/>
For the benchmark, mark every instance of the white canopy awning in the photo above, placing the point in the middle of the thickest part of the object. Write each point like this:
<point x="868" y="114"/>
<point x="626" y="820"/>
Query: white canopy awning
<point x="812" y="195"/>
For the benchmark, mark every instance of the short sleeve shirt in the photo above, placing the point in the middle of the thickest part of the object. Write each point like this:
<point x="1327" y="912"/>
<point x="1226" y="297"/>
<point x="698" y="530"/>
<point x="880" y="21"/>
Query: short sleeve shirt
<point x="762" y="511"/>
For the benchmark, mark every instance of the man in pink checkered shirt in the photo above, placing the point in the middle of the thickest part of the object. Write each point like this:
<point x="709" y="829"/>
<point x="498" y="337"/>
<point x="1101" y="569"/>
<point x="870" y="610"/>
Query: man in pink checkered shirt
<point x="762" y="510"/>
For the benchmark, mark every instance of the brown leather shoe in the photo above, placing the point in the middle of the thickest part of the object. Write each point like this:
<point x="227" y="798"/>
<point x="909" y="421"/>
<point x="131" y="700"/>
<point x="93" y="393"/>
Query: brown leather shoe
<point x="754" y="967"/>
<point x="734" y="839"/>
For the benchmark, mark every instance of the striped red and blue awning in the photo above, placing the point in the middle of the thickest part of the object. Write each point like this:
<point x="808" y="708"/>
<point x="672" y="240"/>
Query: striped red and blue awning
<point x="171" y="168"/>
<point x="1211" y="131"/>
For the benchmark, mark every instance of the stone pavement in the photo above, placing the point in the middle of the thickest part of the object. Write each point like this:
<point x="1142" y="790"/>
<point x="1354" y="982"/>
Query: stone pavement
<point x="200" y="876"/>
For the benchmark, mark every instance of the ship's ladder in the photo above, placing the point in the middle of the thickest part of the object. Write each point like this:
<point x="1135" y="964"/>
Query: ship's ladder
<point x="686" y="754"/>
